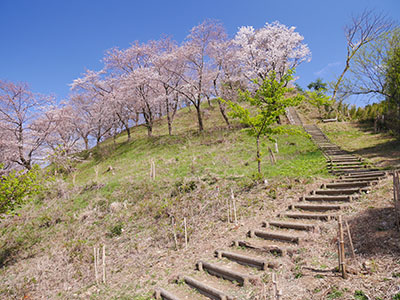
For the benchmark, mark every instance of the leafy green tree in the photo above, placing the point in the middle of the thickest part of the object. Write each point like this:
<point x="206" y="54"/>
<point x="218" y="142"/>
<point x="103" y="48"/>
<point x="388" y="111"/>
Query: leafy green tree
<point x="263" y="107"/>
<point x="16" y="186"/>
<point x="318" y="85"/>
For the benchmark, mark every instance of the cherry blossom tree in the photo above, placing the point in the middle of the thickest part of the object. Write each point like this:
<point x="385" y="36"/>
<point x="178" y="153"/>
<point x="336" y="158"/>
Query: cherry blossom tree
<point x="198" y="74"/>
<point x="168" y="70"/>
<point x="98" y="91"/>
<point x="135" y="71"/>
<point x="274" y="47"/>
<point x="20" y="110"/>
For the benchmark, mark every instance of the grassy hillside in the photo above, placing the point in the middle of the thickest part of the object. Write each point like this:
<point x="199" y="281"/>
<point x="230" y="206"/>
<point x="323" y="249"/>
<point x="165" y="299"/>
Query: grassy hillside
<point x="380" y="148"/>
<point x="47" y="250"/>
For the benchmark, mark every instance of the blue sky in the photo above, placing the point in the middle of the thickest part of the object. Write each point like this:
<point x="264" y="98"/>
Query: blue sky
<point x="49" y="43"/>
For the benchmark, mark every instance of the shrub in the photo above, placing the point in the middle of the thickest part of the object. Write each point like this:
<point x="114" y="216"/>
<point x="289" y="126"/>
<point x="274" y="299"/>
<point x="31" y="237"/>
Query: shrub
<point x="17" y="186"/>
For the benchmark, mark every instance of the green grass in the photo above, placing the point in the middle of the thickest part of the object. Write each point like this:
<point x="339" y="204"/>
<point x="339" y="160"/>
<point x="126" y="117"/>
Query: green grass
<point x="381" y="149"/>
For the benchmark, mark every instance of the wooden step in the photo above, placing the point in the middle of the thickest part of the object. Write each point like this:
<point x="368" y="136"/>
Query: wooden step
<point x="254" y="262"/>
<point x="226" y="273"/>
<point x="318" y="207"/>
<point x="311" y="216"/>
<point x="290" y="225"/>
<point x="333" y="192"/>
<point x="161" y="293"/>
<point x="263" y="246"/>
<point x="275" y="235"/>
<point x="340" y="185"/>
<point x="360" y="179"/>
<point x="355" y="175"/>
<point x="327" y="198"/>
<point x="204" y="288"/>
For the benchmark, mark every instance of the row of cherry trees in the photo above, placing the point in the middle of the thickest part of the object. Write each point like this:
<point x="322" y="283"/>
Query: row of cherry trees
<point x="141" y="84"/>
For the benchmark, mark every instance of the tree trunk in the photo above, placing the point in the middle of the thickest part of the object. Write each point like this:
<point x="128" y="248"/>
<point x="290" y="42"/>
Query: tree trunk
<point x="128" y="131"/>
<point x="199" y="118"/>
<point x="258" y="155"/>
<point x="222" y="110"/>
<point x="168" y="117"/>
<point x="86" y="141"/>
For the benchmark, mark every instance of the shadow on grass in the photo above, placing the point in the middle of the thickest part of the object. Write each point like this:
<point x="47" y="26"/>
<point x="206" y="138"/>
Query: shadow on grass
<point x="374" y="232"/>
<point x="387" y="154"/>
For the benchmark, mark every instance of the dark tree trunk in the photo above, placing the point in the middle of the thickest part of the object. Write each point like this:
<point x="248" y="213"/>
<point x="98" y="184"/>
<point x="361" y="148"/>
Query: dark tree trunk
<point x="222" y="110"/>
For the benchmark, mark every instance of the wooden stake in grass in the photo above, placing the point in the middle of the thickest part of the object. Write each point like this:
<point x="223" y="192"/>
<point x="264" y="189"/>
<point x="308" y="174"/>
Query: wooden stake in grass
<point x="228" y="208"/>
<point x="396" y="197"/>
<point x="272" y="156"/>
<point x="104" y="264"/>
<point x="186" y="237"/>
<point x="276" y="147"/>
<point x="350" y="240"/>
<point x="277" y="292"/>
<point x="342" y="253"/>
<point x="152" y="170"/>
<point x="174" y="232"/>
<point x="96" y="274"/>
<point x="234" y="206"/>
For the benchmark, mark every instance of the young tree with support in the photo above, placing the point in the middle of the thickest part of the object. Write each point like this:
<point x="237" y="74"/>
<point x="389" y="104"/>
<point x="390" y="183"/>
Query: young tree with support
<point x="264" y="106"/>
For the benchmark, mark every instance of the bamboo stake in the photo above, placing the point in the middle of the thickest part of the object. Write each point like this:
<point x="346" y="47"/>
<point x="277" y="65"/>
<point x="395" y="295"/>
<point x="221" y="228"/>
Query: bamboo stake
<point x="342" y="253"/>
<point x="350" y="240"/>
<point x="272" y="156"/>
<point x="339" y="254"/>
<point x="186" y="238"/>
<point x="104" y="264"/>
<point x="228" y="207"/>
<point x="95" y="265"/>
<point x="276" y="147"/>
<point x="174" y="232"/>
<point x="234" y="206"/>
<point x="396" y="196"/>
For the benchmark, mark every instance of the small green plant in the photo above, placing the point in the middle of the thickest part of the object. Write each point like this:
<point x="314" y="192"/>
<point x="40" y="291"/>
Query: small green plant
<point x="335" y="293"/>
<point x="360" y="295"/>
<point x="115" y="230"/>
<point x="396" y="296"/>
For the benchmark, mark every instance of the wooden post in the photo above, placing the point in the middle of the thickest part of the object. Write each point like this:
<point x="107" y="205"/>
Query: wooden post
<point x="276" y="147"/>
<point x="186" y="238"/>
<point x="396" y="197"/>
<point x="350" y="240"/>
<point x="272" y="156"/>
<point x="342" y="253"/>
<point x="228" y="207"/>
<point x="104" y="264"/>
<point x="234" y="206"/>
<point x="95" y="265"/>
<point x="174" y="232"/>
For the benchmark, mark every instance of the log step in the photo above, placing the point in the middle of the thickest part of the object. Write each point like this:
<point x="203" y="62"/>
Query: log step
<point x="291" y="225"/>
<point x="333" y="192"/>
<point x="204" y="288"/>
<point x="245" y="260"/>
<point x="312" y="216"/>
<point x="355" y="175"/>
<point x="226" y="273"/>
<point x="360" y="179"/>
<point x="318" y="207"/>
<point x="260" y="246"/>
<point x="327" y="198"/>
<point x="161" y="293"/>
<point x="341" y="185"/>
<point x="276" y="236"/>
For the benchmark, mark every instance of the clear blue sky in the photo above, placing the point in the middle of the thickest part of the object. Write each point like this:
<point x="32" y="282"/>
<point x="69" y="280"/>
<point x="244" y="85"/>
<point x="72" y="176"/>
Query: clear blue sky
<point x="48" y="43"/>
